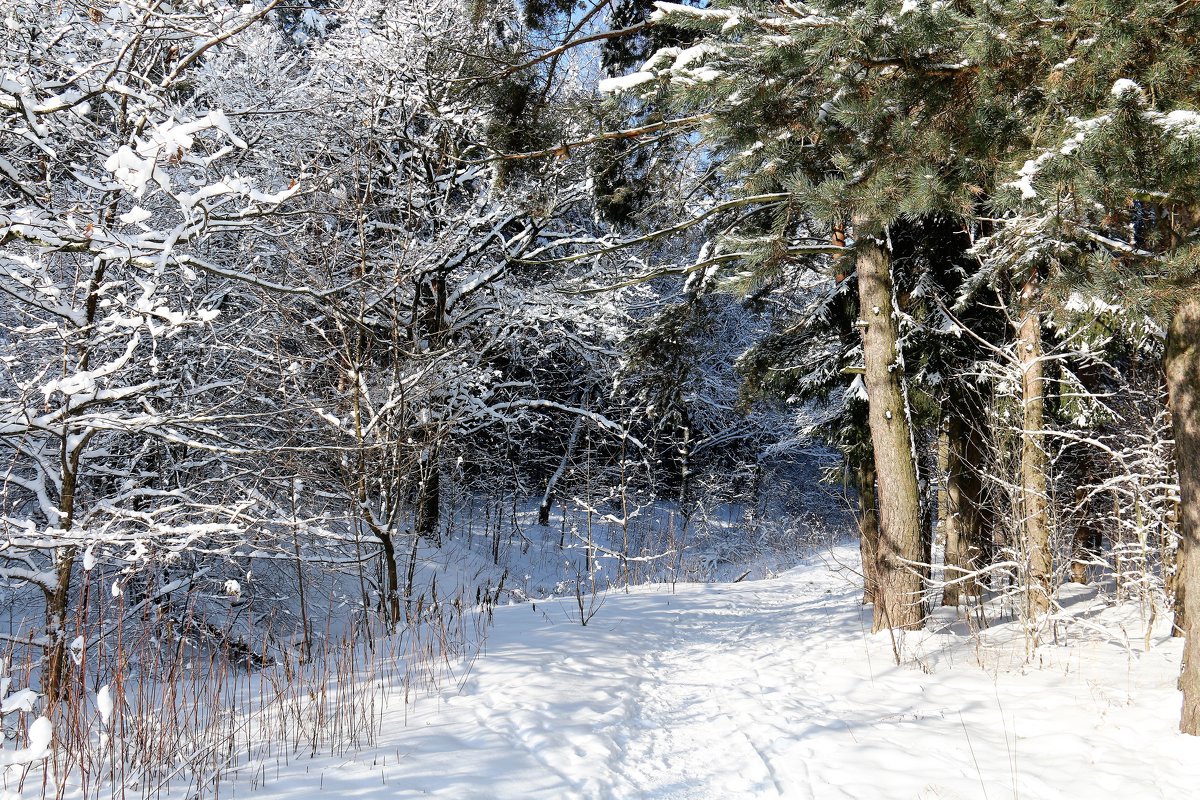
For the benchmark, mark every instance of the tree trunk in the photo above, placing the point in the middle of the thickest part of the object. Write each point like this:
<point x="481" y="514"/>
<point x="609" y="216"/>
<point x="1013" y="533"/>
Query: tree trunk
<point x="1036" y="544"/>
<point x="1182" y="366"/>
<point x="56" y="625"/>
<point x="70" y="458"/>
<point x="868" y="525"/>
<point x="685" y="457"/>
<point x="412" y="578"/>
<point x="1177" y="589"/>
<point x="57" y="600"/>
<point x="964" y="494"/>
<point x="898" y="583"/>
<point x="391" y="599"/>
<point x="546" y="504"/>
<point x="429" y="499"/>
<point x="430" y="331"/>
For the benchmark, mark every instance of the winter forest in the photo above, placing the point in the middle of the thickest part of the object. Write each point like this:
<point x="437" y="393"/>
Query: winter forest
<point x="600" y="398"/>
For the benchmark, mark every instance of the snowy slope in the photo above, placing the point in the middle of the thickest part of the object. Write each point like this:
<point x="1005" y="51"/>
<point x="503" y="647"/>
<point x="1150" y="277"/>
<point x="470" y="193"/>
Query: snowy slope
<point x="774" y="688"/>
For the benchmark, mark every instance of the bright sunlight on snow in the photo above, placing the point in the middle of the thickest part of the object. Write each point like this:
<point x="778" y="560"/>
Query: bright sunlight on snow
<point x="775" y="689"/>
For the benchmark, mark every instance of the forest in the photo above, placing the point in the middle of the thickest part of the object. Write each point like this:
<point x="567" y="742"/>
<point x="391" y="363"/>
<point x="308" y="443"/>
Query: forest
<point x="330" y="330"/>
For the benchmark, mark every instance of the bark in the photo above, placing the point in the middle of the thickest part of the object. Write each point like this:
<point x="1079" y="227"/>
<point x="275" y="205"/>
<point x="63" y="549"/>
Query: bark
<point x="1182" y="366"/>
<point x="56" y="625"/>
<point x="1173" y="584"/>
<point x="898" y="585"/>
<point x="391" y="600"/>
<point x="964" y="495"/>
<point x="430" y="331"/>
<point x="1177" y="589"/>
<point x="70" y="456"/>
<point x="301" y="588"/>
<point x="568" y="454"/>
<point x="868" y="526"/>
<point x="429" y="499"/>
<point x="412" y="577"/>
<point x="1035" y="528"/>
<point x="547" y="501"/>
<point x="57" y="600"/>
<point x="685" y="457"/>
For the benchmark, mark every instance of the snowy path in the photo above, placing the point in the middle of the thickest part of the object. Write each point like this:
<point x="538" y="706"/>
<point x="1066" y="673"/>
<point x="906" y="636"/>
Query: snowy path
<point x="772" y="689"/>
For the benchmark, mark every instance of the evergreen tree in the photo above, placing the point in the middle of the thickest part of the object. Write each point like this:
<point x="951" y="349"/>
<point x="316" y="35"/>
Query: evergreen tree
<point x="1106" y="205"/>
<point x="833" y="115"/>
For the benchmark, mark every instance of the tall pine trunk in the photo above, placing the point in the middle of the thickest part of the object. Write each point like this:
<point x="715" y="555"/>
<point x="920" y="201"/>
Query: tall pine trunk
<point x="964" y="496"/>
<point x="1035" y="543"/>
<point x="898" y="584"/>
<point x="1182" y="366"/>
<point x="868" y="525"/>
<point x="1176" y="586"/>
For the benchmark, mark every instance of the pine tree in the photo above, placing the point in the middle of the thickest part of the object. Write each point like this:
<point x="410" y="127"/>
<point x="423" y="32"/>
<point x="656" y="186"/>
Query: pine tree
<point x="832" y="115"/>
<point x="1110" y="196"/>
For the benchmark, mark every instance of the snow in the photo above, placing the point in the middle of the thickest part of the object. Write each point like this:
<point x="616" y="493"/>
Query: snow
<point x="1027" y="173"/>
<point x="777" y="689"/>
<point x="77" y="646"/>
<point x="682" y="65"/>
<point x="131" y="170"/>
<point x="78" y="383"/>
<point x="689" y="56"/>
<point x="1077" y="303"/>
<point x="1125" y="86"/>
<point x="663" y="10"/>
<point x="135" y="167"/>
<point x="857" y="390"/>
<point x="40" y="735"/>
<point x="20" y="700"/>
<point x="623" y="83"/>
<point x="135" y="215"/>
<point x="1182" y="122"/>
<point x="104" y="704"/>
<point x="41" y="732"/>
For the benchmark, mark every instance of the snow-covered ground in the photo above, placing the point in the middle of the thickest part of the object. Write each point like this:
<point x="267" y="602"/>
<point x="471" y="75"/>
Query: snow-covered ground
<point x="775" y="688"/>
